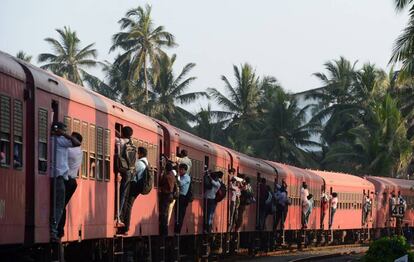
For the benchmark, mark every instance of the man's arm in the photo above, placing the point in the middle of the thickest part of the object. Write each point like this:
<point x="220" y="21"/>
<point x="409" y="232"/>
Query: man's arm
<point x="75" y="142"/>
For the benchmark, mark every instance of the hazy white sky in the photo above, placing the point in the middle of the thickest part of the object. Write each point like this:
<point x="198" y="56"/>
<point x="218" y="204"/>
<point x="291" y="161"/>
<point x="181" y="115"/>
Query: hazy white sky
<point x="287" y="39"/>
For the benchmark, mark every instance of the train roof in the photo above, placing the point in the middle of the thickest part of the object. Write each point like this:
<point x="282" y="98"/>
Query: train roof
<point x="253" y="162"/>
<point x="54" y="84"/>
<point x="10" y="66"/>
<point x="287" y="170"/>
<point x="343" y="180"/>
<point x="393" y="183"/>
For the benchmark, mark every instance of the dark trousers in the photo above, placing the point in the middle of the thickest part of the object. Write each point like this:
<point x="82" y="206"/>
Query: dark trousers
<point x="323" y="218"/>
<point x="280" y="217"/>
<point x="70" y="187"/>
<point x="262" y="216"/>
<point x="131" y="193"/>
<point x="165" y="201"/>
<point x="234" y="207"/>
<point x="57" y="201"/>
<point x="124" y="187"/>
<point x="333" y="210"/>
<point x="211" y="208"/>
<point x="181" y="208"/>
<point x="240" y="214"/>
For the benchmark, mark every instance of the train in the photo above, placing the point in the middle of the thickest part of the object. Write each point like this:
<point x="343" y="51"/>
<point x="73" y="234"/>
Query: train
<point x="32" y="98"/>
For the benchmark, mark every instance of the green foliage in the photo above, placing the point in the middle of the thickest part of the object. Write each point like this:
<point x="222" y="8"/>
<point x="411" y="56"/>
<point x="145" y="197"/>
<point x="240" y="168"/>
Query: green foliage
<point x="23" y="56"/>
<point x="388" y="249"/>
<point x="142" y="43"/>
<point x="68" y="59"/>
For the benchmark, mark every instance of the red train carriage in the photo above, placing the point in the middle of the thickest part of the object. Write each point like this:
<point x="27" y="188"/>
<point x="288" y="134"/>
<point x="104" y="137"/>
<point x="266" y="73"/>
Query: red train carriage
<point x="204" y="155"/>
<point x="384" y="186"/>
<point x="294" y="177"/>
<point x="24" y="200"/>
<point x="14" y="152"/>
<point x="351" y="192"/>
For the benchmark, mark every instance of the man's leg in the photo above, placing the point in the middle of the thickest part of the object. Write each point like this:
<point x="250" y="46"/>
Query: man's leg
<point x="164" y="204"/>
<point x="70" y="187"/>
<point x="59" y="206"/>
<point x="232" y="209"/>
<point x="127" y="207"/>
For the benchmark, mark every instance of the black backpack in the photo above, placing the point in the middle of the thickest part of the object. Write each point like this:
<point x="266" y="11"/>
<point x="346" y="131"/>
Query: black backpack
<point x="128" y="157"/>
<point x="147" y="180"/>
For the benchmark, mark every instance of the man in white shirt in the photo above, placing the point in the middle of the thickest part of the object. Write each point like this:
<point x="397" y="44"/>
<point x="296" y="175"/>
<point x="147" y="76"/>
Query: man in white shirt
<point x="184" y="183"/>
<point x="61" y="142"/>
<point x="334" y="206"/>
<point x="74" y="163"/>
<point x="140" y="165"/>
<point x="210" y="195"/>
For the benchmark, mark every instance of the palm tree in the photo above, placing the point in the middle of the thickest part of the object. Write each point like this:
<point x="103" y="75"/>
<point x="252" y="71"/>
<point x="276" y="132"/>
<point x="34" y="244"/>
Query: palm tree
<point x="378" y="148"/>
<point x="23" y="56"/>
<point x="337" y="100"/>
<point x="241" y="102"/>
<point x="168" y="92"/>
<point x="404" y="45"/>
<point x="209" y="124"/>
<point x="282" y="133"/>
<point x="142" y="42"/>
<point x="68" y="59"/>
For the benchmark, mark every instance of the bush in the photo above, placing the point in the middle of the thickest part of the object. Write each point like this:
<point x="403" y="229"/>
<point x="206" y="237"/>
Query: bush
<point x="388" y="249"/>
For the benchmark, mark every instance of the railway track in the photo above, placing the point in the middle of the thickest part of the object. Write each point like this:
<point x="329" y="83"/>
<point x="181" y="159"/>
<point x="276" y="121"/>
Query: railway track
<point x="337" y="253"/>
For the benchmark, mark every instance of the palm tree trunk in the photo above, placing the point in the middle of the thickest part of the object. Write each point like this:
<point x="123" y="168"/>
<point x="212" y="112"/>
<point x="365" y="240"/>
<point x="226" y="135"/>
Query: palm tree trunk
<point x="145" y="80"/>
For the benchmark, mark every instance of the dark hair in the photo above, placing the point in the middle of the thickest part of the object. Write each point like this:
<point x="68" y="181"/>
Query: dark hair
<point x="58" y="125"/>
<point x="305" y="186"/>
<point x="127" y="131"/>
<point x="263" y="180"/>
<point x="183" y="166"/>
<point x="184" y="153"/>
<point x="77" y="136"/>
<point x="310" y="196"/>
<point x="169" y="166"/>
<point x="334" y="194"/>
<point x="247" y="179"/>
<point x="232" y="170"/>
<point x="142" y="151"/>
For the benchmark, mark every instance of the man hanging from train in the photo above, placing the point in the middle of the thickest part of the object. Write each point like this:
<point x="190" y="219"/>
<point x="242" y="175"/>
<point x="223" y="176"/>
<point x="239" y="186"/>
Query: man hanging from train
<point x="210" y="195"/>
<point x="125" y="158"/>
<point x="74" y="163"/>
<point x="366" y="209"/>
<point x="181" y="206"/>
<point x="334" y="206"/>
<point x="168" y="189"/>
<point x="324" y="206"/>
<point x="61" y="142"/>
<point x="235" y="197"/>
<point x="133" y="189"/>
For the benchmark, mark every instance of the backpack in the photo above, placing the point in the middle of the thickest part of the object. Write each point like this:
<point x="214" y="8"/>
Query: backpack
<point x="221" y="192"/>
<point x="147" y="179"/>
<point x="269" y="198"/>
<point x="128" y="157"/>
<point x="246" y="197"/>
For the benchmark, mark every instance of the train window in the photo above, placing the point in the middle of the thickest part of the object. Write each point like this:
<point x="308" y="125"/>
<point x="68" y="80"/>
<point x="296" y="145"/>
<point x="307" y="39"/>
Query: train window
<point x="107" y="169"/>
<point x="84" y="146"/>
<point x="18" y="134"/>
<point x="92" y="151"/>
<point x="99" y="153"/>
<point x="5" y="131"/>
<point x="68" y="122"/>
<point x="42" y="143"/>
<point x="76" y="125"/>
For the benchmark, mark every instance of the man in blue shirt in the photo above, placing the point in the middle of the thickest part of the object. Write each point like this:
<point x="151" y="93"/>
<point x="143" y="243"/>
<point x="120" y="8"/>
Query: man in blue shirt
<point x="184" y="183"/>
<point x="61" y="142"/>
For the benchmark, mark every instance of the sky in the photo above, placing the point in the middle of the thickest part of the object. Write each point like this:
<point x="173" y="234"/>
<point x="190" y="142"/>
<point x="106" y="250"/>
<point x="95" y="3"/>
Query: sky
<point x="289" y="40"/>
